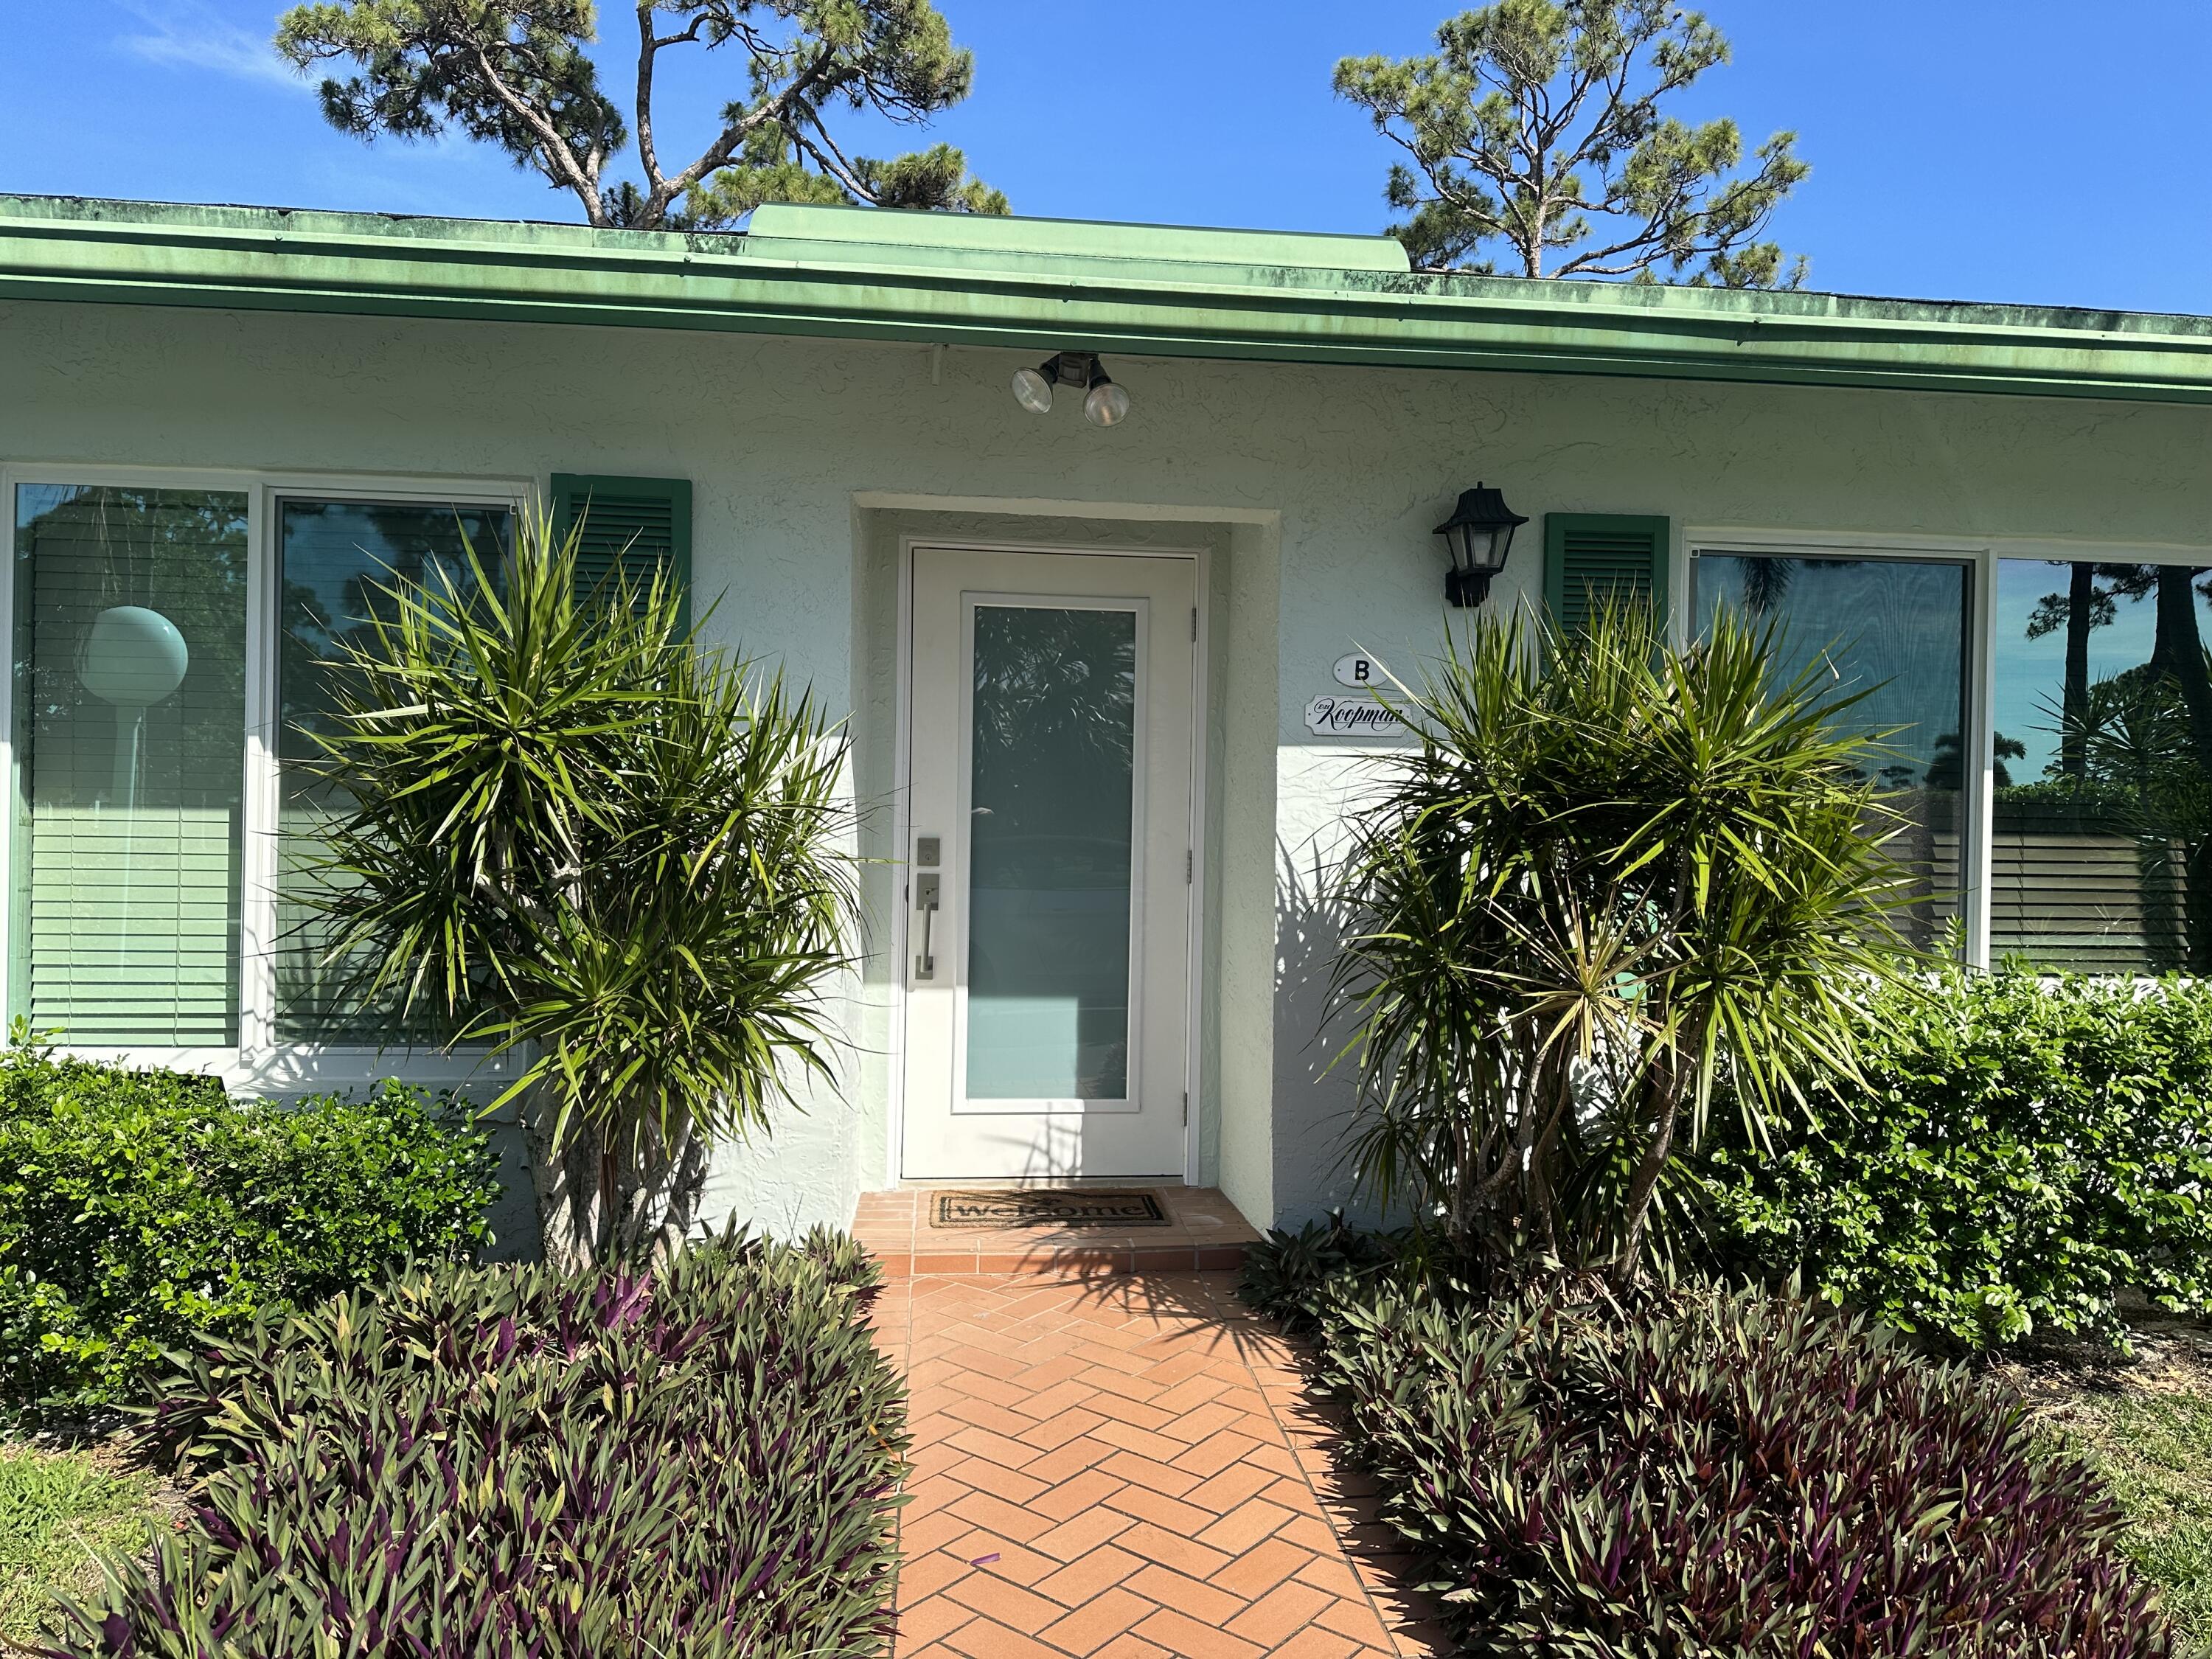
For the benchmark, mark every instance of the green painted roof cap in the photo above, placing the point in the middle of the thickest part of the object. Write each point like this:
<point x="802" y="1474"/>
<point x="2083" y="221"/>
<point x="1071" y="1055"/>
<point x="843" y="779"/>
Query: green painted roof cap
<point x="986" y="239"/>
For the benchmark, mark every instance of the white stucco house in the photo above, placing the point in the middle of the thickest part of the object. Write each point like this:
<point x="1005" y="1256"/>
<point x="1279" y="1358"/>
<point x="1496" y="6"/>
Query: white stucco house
<point x="1095" y="945"/>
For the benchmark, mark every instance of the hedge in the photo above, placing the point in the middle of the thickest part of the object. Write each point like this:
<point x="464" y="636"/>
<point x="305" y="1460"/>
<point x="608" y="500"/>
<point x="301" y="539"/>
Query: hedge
<point x="137" y="1207"/>
<point x="2022" y="1150"/>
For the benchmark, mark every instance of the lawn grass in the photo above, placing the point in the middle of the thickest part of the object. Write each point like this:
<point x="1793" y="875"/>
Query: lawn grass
<point x="2146" y="1428"/>
<point x="2155" y="1451"/>
<point x="57" y="1507"/>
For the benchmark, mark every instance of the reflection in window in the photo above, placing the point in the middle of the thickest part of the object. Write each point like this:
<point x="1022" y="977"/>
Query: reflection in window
<point x="1896" y="630"/>
<point x="2102" y="821"/>
<point x="335" y="557"/>
<point x="1051" y="825"/>
<point x="129" y="663"/>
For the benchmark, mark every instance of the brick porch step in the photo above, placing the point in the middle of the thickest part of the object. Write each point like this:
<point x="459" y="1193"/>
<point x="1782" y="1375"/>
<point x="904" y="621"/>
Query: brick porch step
<point x="1203" y="1233"/>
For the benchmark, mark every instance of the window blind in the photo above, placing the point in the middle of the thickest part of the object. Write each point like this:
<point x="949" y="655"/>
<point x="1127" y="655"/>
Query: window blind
<point x="126" y="875"/>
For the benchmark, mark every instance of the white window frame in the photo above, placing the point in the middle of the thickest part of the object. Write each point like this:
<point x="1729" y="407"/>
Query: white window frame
<point x="258" y="1064"/>
<point x="1982" y="555"/>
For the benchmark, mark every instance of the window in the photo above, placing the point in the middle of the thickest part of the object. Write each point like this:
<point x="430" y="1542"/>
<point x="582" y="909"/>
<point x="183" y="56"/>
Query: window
<point x="157" y="849"/>
<point x="334" y="558"/>
<point x="2101" y="823"/>
<point x="1897" y="630"/>
<point x="129" y="743"/>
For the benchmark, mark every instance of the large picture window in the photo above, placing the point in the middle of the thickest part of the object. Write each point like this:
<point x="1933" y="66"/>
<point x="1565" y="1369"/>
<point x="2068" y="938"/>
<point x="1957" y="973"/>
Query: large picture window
<point x="130" y="745"/>
<point x="1897" y="631"/>
<point x="159" y="853"/>
<point x="2101" y="821"/>
<point x="335" y="561"/>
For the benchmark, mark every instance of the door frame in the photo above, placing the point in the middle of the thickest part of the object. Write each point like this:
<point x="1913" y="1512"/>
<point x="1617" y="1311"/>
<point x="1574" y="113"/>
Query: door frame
<point x="902" y="824"/>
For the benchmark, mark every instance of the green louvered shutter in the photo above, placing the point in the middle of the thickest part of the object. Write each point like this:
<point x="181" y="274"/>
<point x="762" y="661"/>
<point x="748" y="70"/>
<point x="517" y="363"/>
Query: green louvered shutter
<point x="638" y="523"/>
<point x="1589" y="558"/>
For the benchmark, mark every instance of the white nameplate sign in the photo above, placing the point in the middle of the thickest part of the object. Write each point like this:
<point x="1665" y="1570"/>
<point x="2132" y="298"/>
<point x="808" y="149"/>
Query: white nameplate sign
<point x="1352" y="717"/>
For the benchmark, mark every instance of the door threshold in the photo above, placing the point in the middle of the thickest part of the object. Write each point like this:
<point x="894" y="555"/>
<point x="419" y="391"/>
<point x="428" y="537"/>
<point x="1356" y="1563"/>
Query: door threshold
<point x="1202" y="1232"/>
<point x="1025" y="1183"/>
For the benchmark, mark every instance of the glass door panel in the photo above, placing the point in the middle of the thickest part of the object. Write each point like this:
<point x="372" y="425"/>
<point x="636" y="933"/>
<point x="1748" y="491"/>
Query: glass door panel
<point x="1052" y="802"/>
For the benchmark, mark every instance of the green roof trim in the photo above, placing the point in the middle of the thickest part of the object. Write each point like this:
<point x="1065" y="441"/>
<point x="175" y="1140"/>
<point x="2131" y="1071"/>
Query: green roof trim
<point x="1046" y="284"/>
<point x="989" y="239"/>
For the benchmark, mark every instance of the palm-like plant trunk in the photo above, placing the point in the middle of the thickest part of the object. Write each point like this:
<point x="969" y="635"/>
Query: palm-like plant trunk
<point x="565" y="1180"/>
<point x="1662" y="1091"/>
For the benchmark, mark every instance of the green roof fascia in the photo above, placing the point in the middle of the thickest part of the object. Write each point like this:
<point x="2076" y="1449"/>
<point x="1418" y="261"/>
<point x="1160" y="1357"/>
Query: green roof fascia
<point x="991" y="241"/>
<point x="1141" y="289"/>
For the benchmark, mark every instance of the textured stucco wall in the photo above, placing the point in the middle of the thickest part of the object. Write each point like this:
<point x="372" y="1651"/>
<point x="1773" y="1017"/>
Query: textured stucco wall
<point x="1316" y="489"/>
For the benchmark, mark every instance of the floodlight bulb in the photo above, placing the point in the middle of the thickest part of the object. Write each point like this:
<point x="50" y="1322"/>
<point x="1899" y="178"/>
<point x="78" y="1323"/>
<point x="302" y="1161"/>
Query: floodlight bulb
<point x="1032" y="390"/>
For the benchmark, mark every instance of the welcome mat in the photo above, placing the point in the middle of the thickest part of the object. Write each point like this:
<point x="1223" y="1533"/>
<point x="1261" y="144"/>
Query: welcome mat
<point x="1047" y="1207"/>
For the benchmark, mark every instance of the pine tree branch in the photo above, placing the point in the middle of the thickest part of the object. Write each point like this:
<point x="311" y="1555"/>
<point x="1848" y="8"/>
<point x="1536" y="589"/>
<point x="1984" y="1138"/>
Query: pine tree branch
<point x="833" y="161"/>
<point x="561" y="165"/>
<point x="648" y="47"/>
<point x="777" y="110"/>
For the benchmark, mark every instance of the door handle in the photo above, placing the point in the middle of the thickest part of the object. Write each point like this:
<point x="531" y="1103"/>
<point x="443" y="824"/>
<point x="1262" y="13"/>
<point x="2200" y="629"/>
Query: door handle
<point x="926" y="901"/>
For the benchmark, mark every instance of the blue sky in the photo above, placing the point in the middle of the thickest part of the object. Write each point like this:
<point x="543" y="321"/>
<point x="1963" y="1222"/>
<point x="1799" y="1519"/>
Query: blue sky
<point x="2003" y="149"/>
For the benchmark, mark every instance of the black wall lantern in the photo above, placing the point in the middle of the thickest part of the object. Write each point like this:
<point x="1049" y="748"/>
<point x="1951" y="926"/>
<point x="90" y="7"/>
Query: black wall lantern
<point x="1480" y="534"/>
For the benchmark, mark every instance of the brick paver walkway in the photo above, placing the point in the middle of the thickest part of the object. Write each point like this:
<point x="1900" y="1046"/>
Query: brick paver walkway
<point x="1126" y="1467"/>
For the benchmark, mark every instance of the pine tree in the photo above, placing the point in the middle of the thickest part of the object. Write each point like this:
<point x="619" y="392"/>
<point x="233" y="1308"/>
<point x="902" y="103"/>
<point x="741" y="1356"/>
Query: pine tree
<point x="518" y="74"/>
<point x="1534" y="129"/>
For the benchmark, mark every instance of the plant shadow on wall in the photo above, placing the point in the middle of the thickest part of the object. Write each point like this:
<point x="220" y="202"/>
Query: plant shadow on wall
<point x="562" y="827"/>
<point x="1614" y="875"/>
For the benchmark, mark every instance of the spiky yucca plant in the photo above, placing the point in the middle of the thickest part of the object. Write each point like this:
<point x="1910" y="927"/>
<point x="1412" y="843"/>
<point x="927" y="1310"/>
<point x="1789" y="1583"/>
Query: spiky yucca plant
<point x="1613" y="870"/>
<point x="568" y="830"/>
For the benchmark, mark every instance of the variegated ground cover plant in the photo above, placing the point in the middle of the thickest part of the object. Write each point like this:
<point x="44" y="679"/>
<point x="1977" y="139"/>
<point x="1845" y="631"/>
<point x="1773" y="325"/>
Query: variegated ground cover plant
<point x="696" y="1462"/>
<point x="1687" y="1472"/>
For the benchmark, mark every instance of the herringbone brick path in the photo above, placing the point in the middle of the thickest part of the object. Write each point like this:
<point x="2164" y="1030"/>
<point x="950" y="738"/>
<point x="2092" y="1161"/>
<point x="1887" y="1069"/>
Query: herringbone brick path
<point x="1126" y="1467"/>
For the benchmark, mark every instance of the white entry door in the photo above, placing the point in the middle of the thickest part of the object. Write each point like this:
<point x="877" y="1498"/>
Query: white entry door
<point x="1047" y="961"/>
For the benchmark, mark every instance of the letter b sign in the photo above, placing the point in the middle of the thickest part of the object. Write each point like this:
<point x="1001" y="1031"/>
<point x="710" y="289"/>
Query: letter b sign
<point x="1358" y="671"/>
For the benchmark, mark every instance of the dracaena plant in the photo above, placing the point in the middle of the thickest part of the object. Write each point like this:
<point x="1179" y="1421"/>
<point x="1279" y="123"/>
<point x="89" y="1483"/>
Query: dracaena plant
<point x="1613" y="872"/>
<point x="564" y="828"/>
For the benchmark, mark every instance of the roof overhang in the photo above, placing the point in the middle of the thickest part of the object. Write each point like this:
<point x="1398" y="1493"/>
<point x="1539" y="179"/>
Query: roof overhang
<point x="1040" y="285"/>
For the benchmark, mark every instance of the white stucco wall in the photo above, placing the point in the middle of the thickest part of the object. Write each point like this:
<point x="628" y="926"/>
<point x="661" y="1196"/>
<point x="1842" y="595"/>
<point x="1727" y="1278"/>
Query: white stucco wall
<point x="1315" y="488"/>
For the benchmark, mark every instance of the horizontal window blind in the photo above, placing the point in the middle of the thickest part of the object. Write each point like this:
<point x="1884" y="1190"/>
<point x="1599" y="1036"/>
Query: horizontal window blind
<point x="130" y="639"/>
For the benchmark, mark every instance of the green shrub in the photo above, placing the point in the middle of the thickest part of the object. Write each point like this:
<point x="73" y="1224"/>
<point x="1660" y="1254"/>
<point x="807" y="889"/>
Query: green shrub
<point x="699" y="1463"/>
<point x="2022" y="1150"/>
<point x="137" y="1207"/>
<point x="1694" y="1471"/>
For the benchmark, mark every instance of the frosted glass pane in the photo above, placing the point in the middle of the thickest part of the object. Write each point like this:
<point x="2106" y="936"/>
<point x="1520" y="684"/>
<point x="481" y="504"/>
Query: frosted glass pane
<point x="131" y="746"/>
<point x="1052" y="798"/>
<point x="334" y="558"/>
